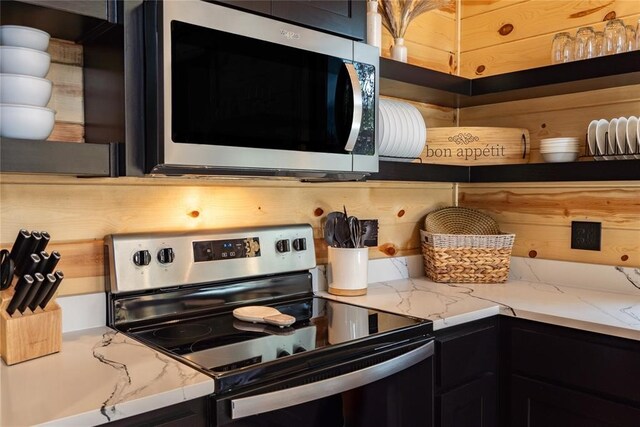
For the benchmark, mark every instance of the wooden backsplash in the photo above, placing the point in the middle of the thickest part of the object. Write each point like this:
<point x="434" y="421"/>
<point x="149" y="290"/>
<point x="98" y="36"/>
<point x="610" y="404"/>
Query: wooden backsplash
<point x="78" y="213"/>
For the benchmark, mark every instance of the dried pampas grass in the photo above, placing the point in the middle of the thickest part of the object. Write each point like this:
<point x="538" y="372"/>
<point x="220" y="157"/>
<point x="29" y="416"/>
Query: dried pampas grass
<point x="397" y="14"/>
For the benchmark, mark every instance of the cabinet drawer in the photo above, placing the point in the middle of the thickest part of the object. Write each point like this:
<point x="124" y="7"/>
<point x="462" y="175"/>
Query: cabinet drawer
<point x="466" y="353"/>
<point x="605" y="365"/>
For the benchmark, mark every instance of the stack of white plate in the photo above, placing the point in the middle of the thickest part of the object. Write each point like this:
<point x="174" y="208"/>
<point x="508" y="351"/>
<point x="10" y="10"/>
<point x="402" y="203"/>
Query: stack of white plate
<point x="555" y="150"/>
<point x="24" y="92"/>
<point x="402" y="132"/>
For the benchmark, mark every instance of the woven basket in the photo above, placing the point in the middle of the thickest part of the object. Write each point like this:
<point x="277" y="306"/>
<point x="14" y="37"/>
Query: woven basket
<point x="458" y="220"/>
<point x="462" y="258"/>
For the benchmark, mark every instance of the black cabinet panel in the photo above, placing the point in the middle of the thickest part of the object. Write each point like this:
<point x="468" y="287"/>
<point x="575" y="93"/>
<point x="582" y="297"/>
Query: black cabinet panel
<point x="466" y="354"/>
<point x="473" y="404"/>
<point x="604" y="365"/>
<point x="260" y="6"/>
<point x="538" y="404"/>
<point x="193" y="413"/>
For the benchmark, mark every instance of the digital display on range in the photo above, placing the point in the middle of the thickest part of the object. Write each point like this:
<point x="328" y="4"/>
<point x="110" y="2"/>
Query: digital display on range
<point x="215" y="250"/>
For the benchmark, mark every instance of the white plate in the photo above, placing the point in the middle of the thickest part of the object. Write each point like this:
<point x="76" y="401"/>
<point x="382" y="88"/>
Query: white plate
<point x="416" y="146"/>
<point x="611" y="136"/>
<point x="601" y="134"/>
<point x="407" y="143"/>
<point x="388" y="128"/>
<point x="632" y="134"/>
<point x="396" y="134"/>
<point x="621" y="135"/>
<point x="382" y="126"/>
<point x="591" y="137"/>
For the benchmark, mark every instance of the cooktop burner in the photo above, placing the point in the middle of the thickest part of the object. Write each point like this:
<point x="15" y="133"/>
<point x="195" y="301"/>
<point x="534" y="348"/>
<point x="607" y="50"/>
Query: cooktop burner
<point x="182" y="332"/>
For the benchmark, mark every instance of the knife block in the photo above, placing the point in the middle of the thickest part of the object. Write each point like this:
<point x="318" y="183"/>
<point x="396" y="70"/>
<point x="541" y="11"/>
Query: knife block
<point x="29" y="335"/>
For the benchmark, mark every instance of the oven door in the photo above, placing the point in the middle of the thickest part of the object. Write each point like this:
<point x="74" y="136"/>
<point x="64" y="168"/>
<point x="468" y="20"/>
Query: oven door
<point x="393" y="389"/>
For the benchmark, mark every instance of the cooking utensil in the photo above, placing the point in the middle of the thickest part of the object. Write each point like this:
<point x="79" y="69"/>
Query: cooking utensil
<point x="19" y="249"/>
<point x="52" y="262"/>
<point x="342" y="233"/>
<point x="330" y="227"/>
<point x="43" y="242"/>
<point x="22" y="287"/>
<point x="30" y="266"/>
<point x="263" y="314"/>
<point x="31" y="293"/>
<point x="355" y="230"/>
<point x="52" y="290"/>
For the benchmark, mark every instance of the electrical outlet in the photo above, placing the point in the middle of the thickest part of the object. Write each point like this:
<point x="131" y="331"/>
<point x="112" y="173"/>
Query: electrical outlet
<point x="586" y="235"/>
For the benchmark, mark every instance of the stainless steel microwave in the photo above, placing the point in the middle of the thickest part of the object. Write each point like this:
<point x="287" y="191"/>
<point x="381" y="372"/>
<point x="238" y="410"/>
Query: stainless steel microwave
<point x="232" y="92"/>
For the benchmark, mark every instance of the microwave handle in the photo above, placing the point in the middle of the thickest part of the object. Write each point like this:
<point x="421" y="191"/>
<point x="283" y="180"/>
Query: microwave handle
<point x="357" y="107"/>
<point x="260" y="403"/>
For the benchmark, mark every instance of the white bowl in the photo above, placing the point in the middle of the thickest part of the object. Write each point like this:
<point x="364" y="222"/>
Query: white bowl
<point x="16" y="35"/>
<point x="20" y="60"/>
<point x="560" y="157"/>
<point x="25" y="121"/>
<point x="24" y="90"/>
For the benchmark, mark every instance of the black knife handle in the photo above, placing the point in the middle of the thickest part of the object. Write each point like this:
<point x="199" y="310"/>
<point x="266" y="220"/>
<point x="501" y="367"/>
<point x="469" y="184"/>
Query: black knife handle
<point x="42" y="243"/>
<point x="49" y="281"/>
<point x="22" y="287"/>
<point x="52" y="291"/>
<point x="24" y="263"/>
<point x="19" y="248"/>
<point x="44" y="260"/>
<point x="33" y="290"/>
<point x="30" y="265"/>
<point x="52" y="262"/>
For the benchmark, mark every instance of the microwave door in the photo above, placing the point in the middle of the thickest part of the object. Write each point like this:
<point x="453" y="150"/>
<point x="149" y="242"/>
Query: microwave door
<point x="356" y="117"/>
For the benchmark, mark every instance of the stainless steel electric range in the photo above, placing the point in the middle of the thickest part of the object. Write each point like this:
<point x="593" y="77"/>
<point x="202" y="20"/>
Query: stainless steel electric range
<point x="337" y="365"/>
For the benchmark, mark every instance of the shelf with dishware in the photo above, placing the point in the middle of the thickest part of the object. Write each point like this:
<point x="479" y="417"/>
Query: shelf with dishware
<point x="408" y="81"/>
<point x="73" y="129"/>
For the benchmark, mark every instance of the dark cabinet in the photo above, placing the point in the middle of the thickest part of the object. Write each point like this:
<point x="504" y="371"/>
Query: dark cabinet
<point x="558" y="376"/>
<point x="466" y="384"/>
<point x="102" y="9"/>
<point x="343" y="17"/>
<point x="192" y="413"/>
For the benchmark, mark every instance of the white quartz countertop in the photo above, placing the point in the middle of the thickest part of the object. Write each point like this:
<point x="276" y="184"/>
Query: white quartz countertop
<point x="98" y="376"/>
<point x="447" y="305"/>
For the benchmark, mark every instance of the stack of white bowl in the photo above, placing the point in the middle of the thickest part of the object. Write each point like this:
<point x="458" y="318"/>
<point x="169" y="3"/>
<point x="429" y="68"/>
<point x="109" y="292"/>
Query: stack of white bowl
<point x="556" y="150"/>
<point x="24" y="92"/>
<point x="402" y="132"/>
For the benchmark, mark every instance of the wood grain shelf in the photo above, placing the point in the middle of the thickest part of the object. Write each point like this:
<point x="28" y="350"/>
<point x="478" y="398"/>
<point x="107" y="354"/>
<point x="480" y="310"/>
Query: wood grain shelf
<point x="423" y="85"/>
<point x="610" y="170"/>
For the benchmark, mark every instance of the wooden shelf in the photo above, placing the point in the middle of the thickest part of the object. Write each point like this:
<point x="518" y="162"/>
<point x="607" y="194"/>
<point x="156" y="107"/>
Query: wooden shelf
<point x="424" y="85"/>
<point x="610" y="170"/>
<point x="60" y="158"/>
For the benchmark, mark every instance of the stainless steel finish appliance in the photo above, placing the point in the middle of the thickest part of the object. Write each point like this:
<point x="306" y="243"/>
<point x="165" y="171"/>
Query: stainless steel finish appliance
<point x="337" y="365"/>
<point x="229" y="90"/>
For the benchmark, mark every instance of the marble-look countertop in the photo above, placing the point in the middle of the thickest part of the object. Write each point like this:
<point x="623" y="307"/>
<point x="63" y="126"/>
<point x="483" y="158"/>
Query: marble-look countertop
<point x="447" y="305"/>
<point x="98" y="376"/>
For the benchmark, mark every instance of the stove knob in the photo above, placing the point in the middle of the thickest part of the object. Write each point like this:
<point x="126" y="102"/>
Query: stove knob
<point x="166" y="256"/>
<point x="283" y="246"/>
<point x="282" y="353"/>
<point x="141" y="258"/>
<point x="300" y="244"/>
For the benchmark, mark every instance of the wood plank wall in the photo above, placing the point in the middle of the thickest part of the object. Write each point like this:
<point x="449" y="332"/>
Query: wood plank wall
<point x="500" y="36"/>
<point x="78" y="213"/>
<point x="431" y="40"/>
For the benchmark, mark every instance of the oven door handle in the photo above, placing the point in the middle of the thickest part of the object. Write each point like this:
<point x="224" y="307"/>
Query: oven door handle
<point x="252" y="405"/>
<point x="356" y="119"/>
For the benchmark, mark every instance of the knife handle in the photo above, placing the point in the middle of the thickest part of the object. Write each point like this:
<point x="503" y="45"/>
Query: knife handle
<point x="44" y="260"/>
<point x="49" y="281"/>
<point x="52" y="291"/>
<point x="6" y="269"/>
<point x="33" y="290"/>
<point x="42" y="243"/>
<point x="30" y="265"/>
<point x="22" y="287"/>
<point x="19" y="248"/>
<point x="51" y="263"/>
<point x="24" y="263"/>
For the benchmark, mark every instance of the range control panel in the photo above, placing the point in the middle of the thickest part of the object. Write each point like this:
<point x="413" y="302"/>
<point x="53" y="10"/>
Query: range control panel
<point x="212" y="250"/>
<point x="157" y="260"/>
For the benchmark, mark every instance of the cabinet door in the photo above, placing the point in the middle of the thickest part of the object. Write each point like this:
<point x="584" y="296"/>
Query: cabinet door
<point x="260" y="6"/>
<point x="101" y="9"/>
<point x="538" y="404"/>
<point x="472" y="405"/>
<point x="343" y="17"/>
